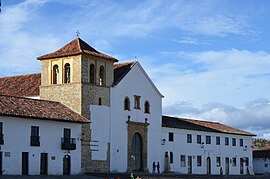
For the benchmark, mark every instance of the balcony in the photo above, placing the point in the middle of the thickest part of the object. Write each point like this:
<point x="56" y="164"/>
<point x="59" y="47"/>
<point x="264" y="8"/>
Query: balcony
<point x="1" y="139"/>
<point x="34" y="141"/>
<point x="68" y="143"/>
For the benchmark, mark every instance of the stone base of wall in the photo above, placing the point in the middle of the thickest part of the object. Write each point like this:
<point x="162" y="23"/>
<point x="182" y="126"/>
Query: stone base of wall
<point x="85" y="148"/>
<point x="101" y="166"/>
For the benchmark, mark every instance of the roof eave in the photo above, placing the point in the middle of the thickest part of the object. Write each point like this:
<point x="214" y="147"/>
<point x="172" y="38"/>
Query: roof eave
<point x="60" y="56"/>
<point x="44" y="118"/>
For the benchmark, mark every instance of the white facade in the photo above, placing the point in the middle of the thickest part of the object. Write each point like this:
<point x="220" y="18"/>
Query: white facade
<point x="109" y="124"/>
<point x="17" y="132"/>
<point x="113" y="129"/>
<point x="190" y="151"/>
<point x="261" y="165"/>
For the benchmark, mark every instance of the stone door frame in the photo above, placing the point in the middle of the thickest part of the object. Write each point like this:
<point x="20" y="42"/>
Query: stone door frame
<point x="142" y="129"/>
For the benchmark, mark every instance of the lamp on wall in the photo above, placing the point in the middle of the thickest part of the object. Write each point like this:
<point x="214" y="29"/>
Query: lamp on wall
<point x="163" y="141"/>
<point x="145" y="120"/>
<point x="202" y="145"/>
<point x="245" y="148"/>
<point x="129" y="118"/>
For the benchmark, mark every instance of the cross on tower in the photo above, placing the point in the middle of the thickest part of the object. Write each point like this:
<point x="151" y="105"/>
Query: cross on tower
<point x="78" y="33"/>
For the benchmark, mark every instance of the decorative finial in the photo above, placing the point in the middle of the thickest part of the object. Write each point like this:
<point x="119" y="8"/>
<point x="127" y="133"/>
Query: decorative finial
<point x="78" y="33"/>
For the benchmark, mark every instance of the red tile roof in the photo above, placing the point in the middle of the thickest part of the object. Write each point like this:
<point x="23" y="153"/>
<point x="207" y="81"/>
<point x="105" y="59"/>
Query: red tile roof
<point x="24" y="85"/>
<point x="121" y="69"/>
<point x="38" y="109"/>
<point x="189" y="124"/>
<point x="220" y="127"/>
<point x="264" y="148"/>
<point x="261" y="153"/>
<point x="76" y="47"/>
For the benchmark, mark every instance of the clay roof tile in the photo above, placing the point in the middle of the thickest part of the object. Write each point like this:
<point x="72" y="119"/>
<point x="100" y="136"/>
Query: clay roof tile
<point x="38" y="109"/>
<point x="190" y="124"/>
<point x="24" y="85"/>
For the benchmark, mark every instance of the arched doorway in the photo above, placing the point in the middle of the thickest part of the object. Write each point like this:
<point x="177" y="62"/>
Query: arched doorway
<point x="136" y="152"/>
<point x="208" y="166"/>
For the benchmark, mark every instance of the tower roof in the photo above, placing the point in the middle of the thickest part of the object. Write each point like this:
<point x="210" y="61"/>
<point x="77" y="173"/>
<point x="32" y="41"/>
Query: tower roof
<point x="76" y="47"/>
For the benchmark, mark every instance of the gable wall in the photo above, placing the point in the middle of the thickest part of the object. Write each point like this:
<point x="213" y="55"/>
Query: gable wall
<point x="134" y="83"/>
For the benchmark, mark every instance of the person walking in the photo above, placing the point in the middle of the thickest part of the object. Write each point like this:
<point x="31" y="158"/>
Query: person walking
<point x="154" y="167"/>
<point x="158" y="166"/>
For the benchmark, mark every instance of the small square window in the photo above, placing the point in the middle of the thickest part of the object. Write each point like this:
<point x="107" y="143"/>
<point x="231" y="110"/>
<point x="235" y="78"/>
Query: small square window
<point x="208" y="139"/>
<point x="241" y="142"/>
<point x="189" y="138"/>
<point x="226" y="141"/>
<point x="137" y="102"/>
<point x="171" y="137"/>
<point x="217" y="140"/>
<point x="199" y="139"/>
<point x="233" y="141"/>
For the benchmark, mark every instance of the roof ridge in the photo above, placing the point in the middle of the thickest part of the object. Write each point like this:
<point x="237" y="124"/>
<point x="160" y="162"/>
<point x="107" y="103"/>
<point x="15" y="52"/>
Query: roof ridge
<point x="125" y="63"/>
<point x="191" y="119"/>
<point x="79" y="44"/>
<point x="20" y="75"/>
<point x="204" y="121"/>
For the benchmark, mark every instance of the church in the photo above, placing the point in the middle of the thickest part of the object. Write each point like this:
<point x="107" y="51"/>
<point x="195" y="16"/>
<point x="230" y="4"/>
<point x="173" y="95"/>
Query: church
<point x="86" y="112"/>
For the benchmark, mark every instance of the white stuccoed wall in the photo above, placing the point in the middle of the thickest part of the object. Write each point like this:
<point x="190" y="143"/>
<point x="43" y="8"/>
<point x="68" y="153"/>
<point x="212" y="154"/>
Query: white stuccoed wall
<point x="100" y="120"/>
<point x="17" y="132"/>
<point x="261" y="165"/>
<point x="134" y="83"/>
<point x="181" y="147"/>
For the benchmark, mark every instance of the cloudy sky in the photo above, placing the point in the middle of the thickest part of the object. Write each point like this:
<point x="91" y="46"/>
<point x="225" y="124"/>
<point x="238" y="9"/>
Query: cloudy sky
<point x="210" y="59"/>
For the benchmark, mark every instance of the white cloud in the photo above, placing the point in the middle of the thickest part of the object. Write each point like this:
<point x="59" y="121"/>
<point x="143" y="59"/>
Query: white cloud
<point x="217" y="86"/>
<point x="26" y="29"/>
<point x="231" y="76"/>
<point x="218" y="25"/>
<point x="19" y="47"/>
<point x="147" y="17"/>
<point x="191" y="41"/>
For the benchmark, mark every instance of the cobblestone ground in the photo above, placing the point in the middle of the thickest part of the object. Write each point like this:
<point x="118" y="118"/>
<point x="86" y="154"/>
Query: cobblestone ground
<point x="142" y="176"/>
<point x="50" y="177"/>
<point x="174" y="176"/>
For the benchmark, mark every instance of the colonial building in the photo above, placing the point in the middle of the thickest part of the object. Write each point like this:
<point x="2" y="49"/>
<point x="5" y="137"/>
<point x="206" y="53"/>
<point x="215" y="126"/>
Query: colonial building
<point x="39" y="137"/>
<point x="261" y="160"/>
<point x="127" y="131"/>
<point x="201" y="147"/>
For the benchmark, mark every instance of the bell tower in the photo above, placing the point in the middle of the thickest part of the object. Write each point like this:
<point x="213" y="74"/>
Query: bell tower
<point x="78" y="76"/>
